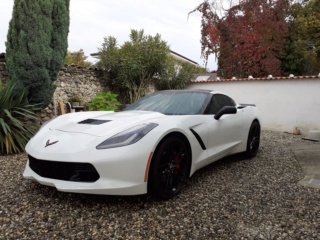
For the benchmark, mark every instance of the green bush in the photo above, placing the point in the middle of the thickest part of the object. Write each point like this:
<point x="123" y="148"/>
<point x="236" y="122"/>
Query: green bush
<point x="104" y="101"/>
<point x="16" y="120"/>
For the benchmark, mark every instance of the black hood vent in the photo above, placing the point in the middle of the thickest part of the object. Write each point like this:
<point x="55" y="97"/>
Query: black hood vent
<point x="93" y="121"/>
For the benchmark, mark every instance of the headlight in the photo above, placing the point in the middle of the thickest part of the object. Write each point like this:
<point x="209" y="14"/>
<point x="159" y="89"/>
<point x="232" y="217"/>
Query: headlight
<point x="127" y="137"/>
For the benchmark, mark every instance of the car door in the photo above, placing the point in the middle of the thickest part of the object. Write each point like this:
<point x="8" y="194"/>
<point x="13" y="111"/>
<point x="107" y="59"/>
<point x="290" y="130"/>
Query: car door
<point x="225" y="134"/>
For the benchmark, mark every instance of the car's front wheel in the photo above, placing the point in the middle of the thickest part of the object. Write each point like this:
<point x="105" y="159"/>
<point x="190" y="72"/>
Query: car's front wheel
<point x="169" y="168"/>
<point x="253" y="140"/>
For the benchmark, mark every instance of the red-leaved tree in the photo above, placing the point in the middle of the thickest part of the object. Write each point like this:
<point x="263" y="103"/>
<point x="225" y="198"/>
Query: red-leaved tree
<point x="249" y="39"/>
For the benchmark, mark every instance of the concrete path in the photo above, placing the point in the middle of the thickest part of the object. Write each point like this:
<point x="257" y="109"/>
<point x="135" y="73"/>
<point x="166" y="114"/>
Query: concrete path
<point x="308" y="156"/>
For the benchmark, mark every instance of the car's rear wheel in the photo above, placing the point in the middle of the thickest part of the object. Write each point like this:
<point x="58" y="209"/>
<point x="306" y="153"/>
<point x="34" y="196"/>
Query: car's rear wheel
<point x="253" y="140"/>
<point x="169" y="168"/>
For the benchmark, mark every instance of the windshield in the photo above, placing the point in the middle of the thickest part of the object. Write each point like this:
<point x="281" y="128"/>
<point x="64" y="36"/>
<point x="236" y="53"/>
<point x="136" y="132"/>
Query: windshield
<point x="172" y="103"/>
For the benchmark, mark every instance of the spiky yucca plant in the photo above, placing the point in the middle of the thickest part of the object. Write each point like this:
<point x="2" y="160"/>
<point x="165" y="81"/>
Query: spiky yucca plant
<point x="16" y="119"/>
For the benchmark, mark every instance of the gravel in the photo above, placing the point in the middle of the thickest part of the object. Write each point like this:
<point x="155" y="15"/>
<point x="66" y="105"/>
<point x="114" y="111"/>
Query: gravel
<point x="235" y="198"/>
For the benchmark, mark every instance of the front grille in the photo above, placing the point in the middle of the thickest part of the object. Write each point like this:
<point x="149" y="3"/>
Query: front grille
<point x="67" y="171"/>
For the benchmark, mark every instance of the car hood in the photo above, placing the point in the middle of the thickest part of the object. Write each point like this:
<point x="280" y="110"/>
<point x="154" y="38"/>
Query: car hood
<point x="102" y="123"/>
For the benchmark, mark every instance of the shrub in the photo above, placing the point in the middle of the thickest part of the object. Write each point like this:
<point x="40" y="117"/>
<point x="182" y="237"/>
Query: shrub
<point x="104" y="101"/>
<point x="16" y="119"/>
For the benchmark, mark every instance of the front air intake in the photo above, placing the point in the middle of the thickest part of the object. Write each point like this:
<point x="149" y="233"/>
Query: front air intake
<point x="66" y="171"/>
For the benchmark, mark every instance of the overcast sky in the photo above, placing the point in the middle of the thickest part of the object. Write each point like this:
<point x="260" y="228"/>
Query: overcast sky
<point x="92" y="20"/>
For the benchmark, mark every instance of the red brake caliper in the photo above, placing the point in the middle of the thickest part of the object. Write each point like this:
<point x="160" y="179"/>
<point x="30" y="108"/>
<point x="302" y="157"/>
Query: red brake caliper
<point x="177" y="159"/>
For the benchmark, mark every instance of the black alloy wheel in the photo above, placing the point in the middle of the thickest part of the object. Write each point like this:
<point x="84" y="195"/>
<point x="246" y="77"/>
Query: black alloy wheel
<point x="253" y="140"/>
<point x="169" y="168"/>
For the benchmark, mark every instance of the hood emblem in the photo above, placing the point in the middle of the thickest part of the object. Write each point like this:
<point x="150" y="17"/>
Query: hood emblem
<point x="48" y="143"/>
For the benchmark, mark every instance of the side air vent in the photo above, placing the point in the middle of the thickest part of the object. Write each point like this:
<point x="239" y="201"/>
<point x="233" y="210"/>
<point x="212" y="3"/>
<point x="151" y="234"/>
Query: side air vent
<point x="93" y="121"/>
<point x="203" y="146"/>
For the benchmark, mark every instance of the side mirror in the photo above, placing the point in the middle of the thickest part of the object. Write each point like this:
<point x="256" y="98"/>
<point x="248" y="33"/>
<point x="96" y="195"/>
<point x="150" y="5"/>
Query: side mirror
<point x="225" y="110"/>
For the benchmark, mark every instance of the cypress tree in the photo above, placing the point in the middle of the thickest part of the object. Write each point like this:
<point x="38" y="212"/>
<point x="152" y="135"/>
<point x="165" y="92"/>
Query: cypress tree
<point x="36" y="46"/>
<point x="59" y="37"/>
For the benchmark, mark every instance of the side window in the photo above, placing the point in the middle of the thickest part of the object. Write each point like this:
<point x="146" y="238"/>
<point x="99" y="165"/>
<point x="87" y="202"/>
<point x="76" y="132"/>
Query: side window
<point x="209" y="109"/>
<point x="213" y="106"/>
<point x="226" y="101"/>
<point x="217" y="102"/>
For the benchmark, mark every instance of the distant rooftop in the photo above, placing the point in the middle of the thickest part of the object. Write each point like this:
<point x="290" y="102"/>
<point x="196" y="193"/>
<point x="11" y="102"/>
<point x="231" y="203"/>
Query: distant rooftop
<point x="177" y="55"/>
<point x="204" y="77"/>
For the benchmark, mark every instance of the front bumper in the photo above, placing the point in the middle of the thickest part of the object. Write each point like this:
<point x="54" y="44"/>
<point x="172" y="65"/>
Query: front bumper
<point x="104" y="186"/>
<point x="121" y="170"/>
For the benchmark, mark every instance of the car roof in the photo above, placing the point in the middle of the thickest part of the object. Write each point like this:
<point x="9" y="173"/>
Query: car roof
<point x="206" y="91"/>
<point x="189" y="90"/>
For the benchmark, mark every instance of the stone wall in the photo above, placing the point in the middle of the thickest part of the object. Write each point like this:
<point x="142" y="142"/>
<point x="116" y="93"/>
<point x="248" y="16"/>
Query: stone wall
<point x="72" y="81"/>
<point x="3" y="70"/>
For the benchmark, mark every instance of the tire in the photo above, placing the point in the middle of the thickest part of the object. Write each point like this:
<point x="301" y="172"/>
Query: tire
<point x="253" y="140"/>
<point x="169" y="168"/>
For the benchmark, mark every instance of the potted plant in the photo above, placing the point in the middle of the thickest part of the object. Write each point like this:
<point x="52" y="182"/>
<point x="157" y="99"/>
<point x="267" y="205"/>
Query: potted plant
<point x="75" y="101"/>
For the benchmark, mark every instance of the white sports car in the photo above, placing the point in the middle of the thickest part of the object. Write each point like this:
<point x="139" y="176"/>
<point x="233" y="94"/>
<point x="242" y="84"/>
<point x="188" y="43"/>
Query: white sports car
<point x="152" y="146"/>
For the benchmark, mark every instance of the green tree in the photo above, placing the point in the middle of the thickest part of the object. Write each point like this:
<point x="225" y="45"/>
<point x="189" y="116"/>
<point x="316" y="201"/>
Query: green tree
<point x="177" y="75"/>
<point x="200" y="70"/>
<point x="303" y="55"/>
<point x="77" y="58"/>
<point x="134" y="65"/>
<point x="36" y="46"/>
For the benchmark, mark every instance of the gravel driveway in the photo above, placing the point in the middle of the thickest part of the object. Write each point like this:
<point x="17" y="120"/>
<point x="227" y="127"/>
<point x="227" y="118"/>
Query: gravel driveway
<point x="235" y="198"/>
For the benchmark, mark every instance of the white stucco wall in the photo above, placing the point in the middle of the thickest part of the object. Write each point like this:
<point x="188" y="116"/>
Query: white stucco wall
<point x="283" y="104"/>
